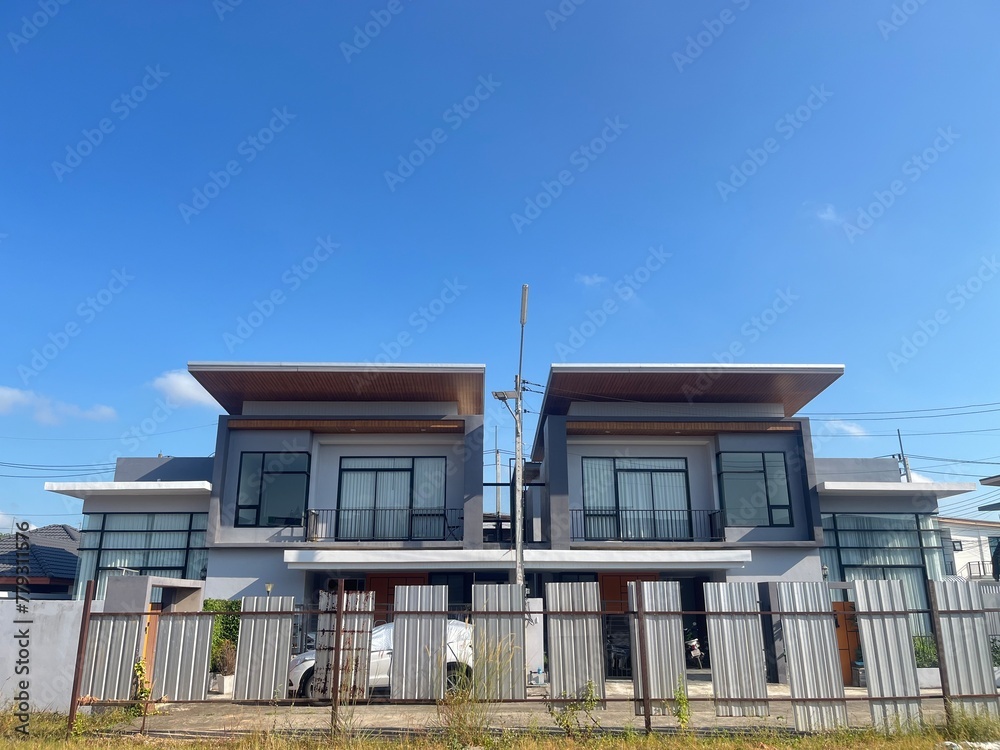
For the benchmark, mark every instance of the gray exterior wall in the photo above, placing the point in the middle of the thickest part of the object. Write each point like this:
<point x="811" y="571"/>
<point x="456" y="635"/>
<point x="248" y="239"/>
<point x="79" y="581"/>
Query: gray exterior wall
<point x="915" y="503"/>
<point x="147" y="504"/>
<point x="164" y="469"/>
<point x="235" y="572"/>
<point x="776" y="564"/>
<point x="857" y="470"/>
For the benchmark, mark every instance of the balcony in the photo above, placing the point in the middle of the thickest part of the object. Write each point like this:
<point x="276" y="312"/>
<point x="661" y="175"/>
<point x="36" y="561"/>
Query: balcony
<point x="385" y="525"/>
<point x="977" y="570"/>
<point x="647" y="526"/>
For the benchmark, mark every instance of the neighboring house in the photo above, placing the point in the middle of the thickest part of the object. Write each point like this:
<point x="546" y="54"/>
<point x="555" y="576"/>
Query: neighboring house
<point x="52" y="562"/>
<point x="375" y="475"/>
<point x="973" y="545"/>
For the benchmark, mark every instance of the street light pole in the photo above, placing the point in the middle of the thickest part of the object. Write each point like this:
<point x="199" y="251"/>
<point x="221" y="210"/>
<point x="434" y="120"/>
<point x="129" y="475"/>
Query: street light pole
<point x="519" y="451"/>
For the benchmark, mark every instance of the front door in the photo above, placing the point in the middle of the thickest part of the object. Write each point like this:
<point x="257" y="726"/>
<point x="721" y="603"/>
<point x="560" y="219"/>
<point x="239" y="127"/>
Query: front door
<point x="848" y="640"/>
<point x="384" y="585"/>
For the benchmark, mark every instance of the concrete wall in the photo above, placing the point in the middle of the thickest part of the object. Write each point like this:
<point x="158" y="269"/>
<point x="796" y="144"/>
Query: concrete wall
<point x="780" y="565"/>
<point x="147" y="504"/>
<point x="236" y="572"/>
<point x="54" y="633"/>
<point x="857" y="470"/>
<point x="915" y="503"/>
<point x="975" y="544"/>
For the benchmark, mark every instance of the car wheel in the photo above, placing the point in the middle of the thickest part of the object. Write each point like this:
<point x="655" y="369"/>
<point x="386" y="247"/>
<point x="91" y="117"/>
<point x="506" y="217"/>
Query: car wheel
<point x="307" y="687"/>
<point x="457" y="677"/>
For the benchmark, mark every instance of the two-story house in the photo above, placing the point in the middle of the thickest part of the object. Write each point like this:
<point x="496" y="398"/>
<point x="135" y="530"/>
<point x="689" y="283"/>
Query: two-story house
<point x="375" y="475"/>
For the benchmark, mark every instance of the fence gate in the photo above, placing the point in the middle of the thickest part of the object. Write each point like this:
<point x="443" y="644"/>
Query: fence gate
<point x="814" y="676"/>
<point x="576" y="653"/>
<point x="739" y="671"/>
<point x="183" y="649"/>
<point x="498" y="641"/>
<point x="113" y="647"/>
<point x="887" y="644"/>
<point x="265" y="647"/>
<point x="663" y="646"/>
<point x="419" y="643"/>
<point x="963" y="646"/>
<point x="355" y="645"/>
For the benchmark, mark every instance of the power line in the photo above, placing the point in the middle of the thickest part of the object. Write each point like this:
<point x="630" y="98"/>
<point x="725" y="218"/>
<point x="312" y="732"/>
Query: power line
<point x="104" y="440"/>
<point x="901" y="411"/>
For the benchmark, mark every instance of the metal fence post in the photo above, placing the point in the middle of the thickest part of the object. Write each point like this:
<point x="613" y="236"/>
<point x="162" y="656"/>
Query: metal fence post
<point x="81" y="655"/>
<point x="942" y="667"/>
<point x="640" y="623"/>
<point x="338" y="636"/>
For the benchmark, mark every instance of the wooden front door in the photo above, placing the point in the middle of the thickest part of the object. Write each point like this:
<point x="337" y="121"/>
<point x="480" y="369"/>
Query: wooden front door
<point x="848" y="640"/>
<point x="384" y="585"/>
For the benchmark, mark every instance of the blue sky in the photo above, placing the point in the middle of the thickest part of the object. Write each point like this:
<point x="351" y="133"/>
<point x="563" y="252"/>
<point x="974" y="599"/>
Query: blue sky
<point x="795" y="182"/>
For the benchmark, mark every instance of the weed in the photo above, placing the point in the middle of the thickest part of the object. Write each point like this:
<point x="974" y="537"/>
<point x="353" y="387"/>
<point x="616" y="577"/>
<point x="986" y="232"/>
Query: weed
<point x="567" y="715"/>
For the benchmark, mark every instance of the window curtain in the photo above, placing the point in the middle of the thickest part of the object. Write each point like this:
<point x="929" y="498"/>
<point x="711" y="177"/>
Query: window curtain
<point x="356" y="505"/>
<point x="635" y="503"/>
<point x="428" y="498"/>
<point x="392" y="505"/>
<point x="599" y="511"/>
<point x="670" y="506"/>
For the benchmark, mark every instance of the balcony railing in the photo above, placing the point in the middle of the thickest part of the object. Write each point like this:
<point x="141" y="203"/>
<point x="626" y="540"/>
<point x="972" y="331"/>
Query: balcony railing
<point x="977" y="569"/>
<point x="385" y="524"/>
<point x="647" y="525"/>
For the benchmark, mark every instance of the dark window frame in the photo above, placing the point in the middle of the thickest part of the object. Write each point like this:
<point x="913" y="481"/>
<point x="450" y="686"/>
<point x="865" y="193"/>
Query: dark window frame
<point x="260" y="488"/>
<point x="616" y="513"/>
<point x="443" y="511"/>
<point x="767" y="491"/>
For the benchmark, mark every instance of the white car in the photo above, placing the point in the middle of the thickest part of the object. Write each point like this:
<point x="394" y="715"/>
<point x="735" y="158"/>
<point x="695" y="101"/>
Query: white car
<point x="459" y="660"/>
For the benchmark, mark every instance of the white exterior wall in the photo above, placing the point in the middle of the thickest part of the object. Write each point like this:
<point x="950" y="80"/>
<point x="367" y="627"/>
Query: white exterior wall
<point x="780" y="565"/>
<point x="975" y="543"/>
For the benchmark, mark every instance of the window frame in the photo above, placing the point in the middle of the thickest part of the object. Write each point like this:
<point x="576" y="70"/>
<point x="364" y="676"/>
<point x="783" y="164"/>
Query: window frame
<point x="767" y="491"/>
<point x="617" y="511"/>
<point x="443" y="511"/>
<point x="260" y="488"/>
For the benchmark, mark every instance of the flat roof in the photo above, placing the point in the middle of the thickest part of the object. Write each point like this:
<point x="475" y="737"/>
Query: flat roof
<point x="233" y="383"/>
<point x="83" y="490"/>
<point x="991" y="481"/>
<point x="967" y="522"/>
<point x="792" y="386"/>
<point x="891" y="489"/>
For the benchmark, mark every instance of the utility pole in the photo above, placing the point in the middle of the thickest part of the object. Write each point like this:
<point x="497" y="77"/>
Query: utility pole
<point x="496" y="456"/>
<point x="903" y="458"/>
<point x="519" y="450"/>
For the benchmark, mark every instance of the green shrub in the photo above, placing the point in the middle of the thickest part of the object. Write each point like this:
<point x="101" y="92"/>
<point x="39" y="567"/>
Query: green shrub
<point x="225" y="631"/>
<point x="925" y="651"/>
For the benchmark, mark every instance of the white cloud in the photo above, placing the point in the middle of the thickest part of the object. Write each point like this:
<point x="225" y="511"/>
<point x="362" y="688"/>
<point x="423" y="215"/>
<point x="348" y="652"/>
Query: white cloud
<point x="847" y="428"/>
<point x="50" y="411"/>
<point x="8" y="521"/>
<point x="918" y="477"/>
<point x="182" y="389"/>
<point x="590" y="279"/>
<point x="829" y="213"/>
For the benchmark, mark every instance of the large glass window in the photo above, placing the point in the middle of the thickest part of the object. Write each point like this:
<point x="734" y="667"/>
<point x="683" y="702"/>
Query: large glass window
<point x="886" y="546"/>
<point x="754" y="489"/>
<point x="392" y="498"/>
<point x="636" y="498"/>
<point x="171" y="545"/>
<point x="273" y="489"/>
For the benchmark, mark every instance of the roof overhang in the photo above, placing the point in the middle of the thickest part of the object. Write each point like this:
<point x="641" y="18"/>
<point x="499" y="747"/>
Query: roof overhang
<point x="792" y="386"/>
<point x="894" y="489"/>
<point x="991" y="481"/>
<point x="83" y="490"/>
<point x="232" y="383"/>
<point x="534" y="559"/>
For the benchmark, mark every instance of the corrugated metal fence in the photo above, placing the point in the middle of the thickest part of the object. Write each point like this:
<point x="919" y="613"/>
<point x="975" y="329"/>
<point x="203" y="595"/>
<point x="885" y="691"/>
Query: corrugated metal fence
<point x="265" y="646"/>
<point x="576" y="649"/>
<point x="738" y="665"/>
<point x="183" y="649"/>
<point x="663" y="645"/>
<point x="419" y="642"/>
<point x="355" y="644"/>
<point x="498" y="641"/>
<point x="114" y="644"/>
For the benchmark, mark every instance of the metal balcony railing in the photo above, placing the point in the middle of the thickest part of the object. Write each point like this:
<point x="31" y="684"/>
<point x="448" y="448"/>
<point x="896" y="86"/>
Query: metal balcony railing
<point x="385" y="524"/>
<point x="977" y="569"/>
<point x="647" y="525"/>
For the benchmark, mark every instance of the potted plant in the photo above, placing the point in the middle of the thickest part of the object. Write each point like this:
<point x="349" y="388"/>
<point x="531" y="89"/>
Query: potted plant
<point x="223" y="668"/>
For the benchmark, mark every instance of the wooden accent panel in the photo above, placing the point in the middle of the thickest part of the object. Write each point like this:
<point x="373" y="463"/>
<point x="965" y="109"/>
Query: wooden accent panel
<point x="360" y="426"/>
<point x="614" y="589"/>
<point x="591" y="427"/>
<point x="384" y="587"/>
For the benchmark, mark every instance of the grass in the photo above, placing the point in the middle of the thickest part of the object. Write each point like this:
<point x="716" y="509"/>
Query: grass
<point x="49" y="730"/>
